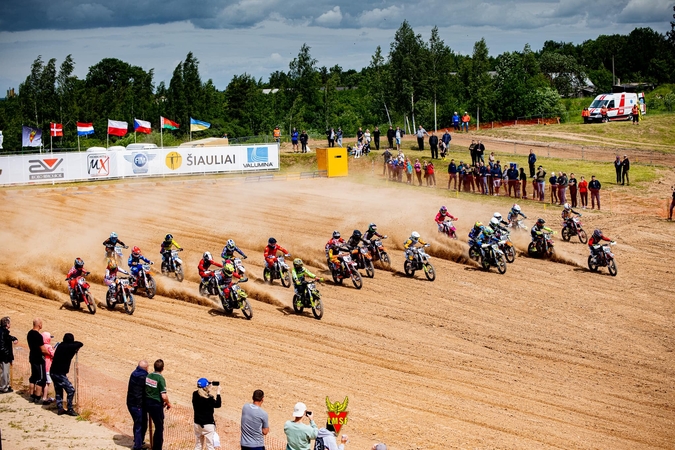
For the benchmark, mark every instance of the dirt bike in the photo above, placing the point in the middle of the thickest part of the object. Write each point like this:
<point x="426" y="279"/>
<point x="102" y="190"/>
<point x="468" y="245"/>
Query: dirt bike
<point x="572" y="227"/>
<point x="447" y="228"/>
<point x="347" y="269"/>
<point x="364" y="260"/>
<point x="378" y="252"/>
<point x="493" y="256"/>
<point x="605" y="258"/>
<point x="505" y="245"/>
<point x="417" y="259"/>
<point x="238" y="299"/>
<point x="145" y="281"/>
<point x="173" y="264"/>
<point x="81" y="294"/>
<point x="116" y="253"/>
<point x="543" y="246"/>
<point x="517" y="224"/>
<point x="279" y="271"/>
<point x="474" y="250"/>
<point x="121" y="295"/>
<point x="213" y="286"/>
<point x="311" y="298"/>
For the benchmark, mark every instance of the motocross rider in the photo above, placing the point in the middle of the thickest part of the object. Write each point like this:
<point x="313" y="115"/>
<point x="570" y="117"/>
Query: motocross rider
<point x="496" y="225"/>
<point x="165" y="247"/>
<point x="514" y="212"/>
<point x="476" y="231"/>
<point x="371" y="232"/>
<point x="334" y="257"/>
<point x="335" y="240"/>
<point x="110" y="278"/>
<point x="567" y="212"/>
<point x="73" y="274"/>
<point x="228" y="274"/>
<point x="594" y="243"/>
<point x="271" y="252"/>
<point x="299" y="273"/>
<point x="135" y="265"/>
<point x="442" y="215"/>
<point x="484" y="237"/>
<point x="412" y="241"/>
<point x="204" y="265"/>
<point x="499" y="218"/>
<point x="111" y="243"/>
<point x="229" y="250"/>
<point x="354" y="240"/>
<point x="538" y="230"/>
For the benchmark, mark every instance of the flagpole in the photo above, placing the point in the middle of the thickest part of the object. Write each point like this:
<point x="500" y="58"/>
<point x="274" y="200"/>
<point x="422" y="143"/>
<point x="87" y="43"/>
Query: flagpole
<point x="161" y="132"/>
<point x="51" y="148"/>
<point x="134" y="135"/>
<point x="78" y="142"/>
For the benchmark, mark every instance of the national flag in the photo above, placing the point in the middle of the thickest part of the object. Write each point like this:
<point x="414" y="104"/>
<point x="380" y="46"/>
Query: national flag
<point x="198" y="125"/>
<point x="141" y="126"/>
<point x="117" y="128"/>
<point x="31" y="137"/>
<point x="166" y="123"/>
<point x="85" y="129"/>
<point x="56" y="129"/>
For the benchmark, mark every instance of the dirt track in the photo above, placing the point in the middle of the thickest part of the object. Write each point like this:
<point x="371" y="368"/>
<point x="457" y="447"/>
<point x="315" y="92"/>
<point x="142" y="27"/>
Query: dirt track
<point x="548" y="355"/>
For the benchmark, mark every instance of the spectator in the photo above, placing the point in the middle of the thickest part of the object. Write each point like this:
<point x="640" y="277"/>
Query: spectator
<point x="583" y="192"/>
<point x="254" y="423"/>
<point x="523" y="183"/>
<point x="491" y="159"/>
<point x="376" y="137"/>
<point x="328" y="438"/>
<point x="49" y="358"/>
<point x="135" y="401"/>
<point x="672" y="204"/>
<point x="461" y="172"/>
<point x="299" y="435"/>
<point x="480" y="149"/>
<point x="594" y="186"/>
<point x="418" y="171"/>
<point x="635" y="113"/>
<point x="294" y="139"/>
<point x="304" y="139"/>
<point x="446" y="138"/>
<point x="531" y="160"/>
<point x="472" y="151"/>
<point x="496" y="173"/>
<point x="553" y="181"/>
<point x="156" y="399"/>
<point x="277" y="135"/>
<point x="617" y="168"/>
<point x="572" y="184"/>
<point x="7" y="341"/>
<point x="398" y="134"/>
<point x="603" y="115"/>
<point x="36" y="358"/>
<point x="63" y="355"/>
<point x="338" y="136"/>
<point x="330" y="134"/>
<point x="470" y="178"/>
<point x="408" y="170"/>
<point x="366" y="136"/>
<point x="512" y="176"/>
<point x="444" y="149"/>
<point x="625" y="167"/>
<point x="421" y="132"/>
<point x="386" y="156"/>
<point x="391" y="134"/>
<point x="433" y="143"/>
<point x="452" y="173"/>
<point x="455" y="121"/>
<point x="359" y="136"/>
<point x="203" y="404"/>
<point x="426" y="173"/>
<point x="562" y="188"/>
<point x="483" y="173"/>
<point x="431" y="174"/>
<point x="541" y="182"/>
<point x="465" y="121"/>
<point x="535" y="189"/>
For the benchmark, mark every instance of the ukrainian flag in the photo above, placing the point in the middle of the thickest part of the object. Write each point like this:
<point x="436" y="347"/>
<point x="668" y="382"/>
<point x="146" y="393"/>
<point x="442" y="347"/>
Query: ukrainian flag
<point x="198" y="125"/>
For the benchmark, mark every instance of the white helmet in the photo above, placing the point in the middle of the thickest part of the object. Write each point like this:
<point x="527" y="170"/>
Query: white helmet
<point x="567" y="206"/>
<point x="516" y="208"/>
<point x="497" y="216"/>
<point x="494" y="222"/>
<point x="415" y="235"/>
<point x="207" y="256"/>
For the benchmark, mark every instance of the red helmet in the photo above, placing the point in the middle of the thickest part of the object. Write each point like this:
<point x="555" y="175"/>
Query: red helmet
<point x="136" y="251"/>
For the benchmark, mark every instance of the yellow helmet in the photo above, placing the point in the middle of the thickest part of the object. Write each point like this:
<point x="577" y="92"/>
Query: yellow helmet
<point x="228" y="269"/>
<point x="112" y="265"/>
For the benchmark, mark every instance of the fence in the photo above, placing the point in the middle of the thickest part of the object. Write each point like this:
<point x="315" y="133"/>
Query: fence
<point x="102" y="398"/>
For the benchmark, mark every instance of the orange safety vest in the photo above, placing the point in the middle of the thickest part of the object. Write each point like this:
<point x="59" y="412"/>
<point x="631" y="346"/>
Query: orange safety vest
<point x="277" y="133"/>
<point x="466" y="118"/>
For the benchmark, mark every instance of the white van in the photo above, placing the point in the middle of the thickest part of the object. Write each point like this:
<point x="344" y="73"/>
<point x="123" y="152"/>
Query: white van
<point x="619" y="106"/>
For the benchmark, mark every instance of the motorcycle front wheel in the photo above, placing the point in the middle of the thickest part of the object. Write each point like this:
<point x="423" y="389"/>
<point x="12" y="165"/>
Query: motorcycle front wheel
<point x="285" y="278"/>
<point x="501" y="264"/>
<point x="357" y="281"/>
<point x="611" y="266"/>
<point x="297" y="304"/>
<point x="583" y="237"/>
<point x="317" y="310"/>
<point x="246" y="309"/>
<point x="180" y="276"/>
<point x="370" y="270"/>
<point x="151" y="288"/>
<point x="384" y="257"/>
<point x="510" y="254"/>
<point x="91" y="304"/>
<point x="429" y="272"/>
<point x="130" y="304"/>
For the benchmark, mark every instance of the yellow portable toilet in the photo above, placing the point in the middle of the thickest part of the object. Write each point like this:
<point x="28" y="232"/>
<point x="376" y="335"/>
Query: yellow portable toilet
<point x="333" y="160"/>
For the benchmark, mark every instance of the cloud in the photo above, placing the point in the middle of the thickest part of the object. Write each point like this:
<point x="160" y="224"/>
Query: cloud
<point x="242" y="14"/>
<point x="646" y="11"/>
<point x="330" y="18"/>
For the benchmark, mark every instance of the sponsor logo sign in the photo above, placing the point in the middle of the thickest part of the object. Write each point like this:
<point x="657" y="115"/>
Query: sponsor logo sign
<point x="210" y="160"/>
<point x="45" y="168"/>
<point x="173" y="160"/>
<point x="257" y="157"/>
<point x="337" y="413"/>
<point x="98" y="165"/>
<point x="140" y="161"/>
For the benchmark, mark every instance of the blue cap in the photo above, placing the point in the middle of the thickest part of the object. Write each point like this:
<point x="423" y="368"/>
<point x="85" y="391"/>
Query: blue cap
<point x="202" y="383"/>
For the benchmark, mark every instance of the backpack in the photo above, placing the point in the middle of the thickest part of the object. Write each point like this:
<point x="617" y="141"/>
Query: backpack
<point x="318" y="444"/>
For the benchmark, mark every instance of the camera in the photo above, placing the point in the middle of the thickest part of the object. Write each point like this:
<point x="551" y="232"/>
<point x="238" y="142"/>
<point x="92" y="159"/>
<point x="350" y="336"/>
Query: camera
<point x="308" y="413"/>
<point x="215" y="383"/>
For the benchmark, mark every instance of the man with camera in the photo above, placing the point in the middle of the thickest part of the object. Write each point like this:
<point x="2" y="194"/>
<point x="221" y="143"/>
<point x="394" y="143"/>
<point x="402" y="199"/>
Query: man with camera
<point x="299" y="435"/>
<point x="204" y="403"/>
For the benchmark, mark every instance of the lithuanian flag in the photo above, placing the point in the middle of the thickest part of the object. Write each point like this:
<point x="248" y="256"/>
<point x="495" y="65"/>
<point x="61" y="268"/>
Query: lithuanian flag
<point x="170" y="124"/>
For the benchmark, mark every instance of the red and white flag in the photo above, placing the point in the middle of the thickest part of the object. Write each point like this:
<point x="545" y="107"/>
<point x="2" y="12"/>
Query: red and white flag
<point x="56" y="129"/>
<point x="117" y="128"/>
<point x="141" y="126"/>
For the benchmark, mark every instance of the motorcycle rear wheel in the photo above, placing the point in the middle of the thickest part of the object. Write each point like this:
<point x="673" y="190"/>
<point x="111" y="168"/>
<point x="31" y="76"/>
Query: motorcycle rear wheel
<point x="384" y="257"/>
<point x="267" y="275"/>
<point x="109" y="300"/>
<point x="429" y="272"/>
<point x="180" y="276"/>
<point x="474" y="254"/>
<point x="285" y="278"/>
<point x="611" y="266"/>
<point x="317" y="310"/>
<point x="151" y="288"/>
<point x="91" y="304"/>
<point x="130" y="305"/>
<point x="592" y="265"/>
<point x="566" y="234"/>
<point x="75" y="303"/>
<point x="203" y="290"/>
<point x="357" y="281"/>
<point x="246" y="309"/>
<point x="407" y="267"/>
<point x="165" y="269"/>
<point x="297" y="304"/>
<point x="583" y="237"/>
<point x="484" y="263"/>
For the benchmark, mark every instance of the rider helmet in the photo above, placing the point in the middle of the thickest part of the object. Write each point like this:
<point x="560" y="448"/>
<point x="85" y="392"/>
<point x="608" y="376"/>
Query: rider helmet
<point x="230" y="244"/>
<point x="415" y="235"/>
<point x="79" y="263"/>
<point x="494" y="222"/>
<point x="136" y="251"/>
<point x="488" y="231"/>
<point x="372" y="227"/>
<point x="567" y="206"/>
<point x="444" y="209"/>
<point x="228" y="270"/>
<point x="497" y="216"/>
<point x="297" y="263"/>
<point x="112" y="265"/>
<point x="597" y="234"/>
<point x="336" y="234"/>
<point x="113" y="236"/>
<point x="168" y="237"/>
<point x="516" y="208"/>
<point x="207" y="256"/>
<point x="357" y="234"/>
<point x="478" y="224"/>
<point x="541" y="222"/>
<point x="270" y="241"/>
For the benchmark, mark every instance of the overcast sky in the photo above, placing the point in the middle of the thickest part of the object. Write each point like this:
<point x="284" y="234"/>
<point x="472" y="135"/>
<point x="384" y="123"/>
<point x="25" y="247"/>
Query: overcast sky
<point x="260" y="36"/>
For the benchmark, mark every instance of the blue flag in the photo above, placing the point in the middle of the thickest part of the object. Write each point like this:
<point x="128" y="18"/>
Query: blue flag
<point x="31" y="137"/>
<point x="198" y="125"/>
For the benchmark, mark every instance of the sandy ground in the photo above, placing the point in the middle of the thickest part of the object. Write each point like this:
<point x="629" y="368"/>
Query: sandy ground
<point x="548" y="355"/>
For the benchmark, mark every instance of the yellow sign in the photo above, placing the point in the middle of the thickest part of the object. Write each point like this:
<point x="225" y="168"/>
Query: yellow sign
<point x="337" y="413"/>
<point x="174" y="160"/>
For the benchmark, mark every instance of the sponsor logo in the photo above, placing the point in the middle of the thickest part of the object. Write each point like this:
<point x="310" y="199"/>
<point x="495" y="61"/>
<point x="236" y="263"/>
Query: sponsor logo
<point x="98" y="165"/>
<point x="45" y="169"/>
<point x="173" y="160"/>
<point x="337" y="413"/>
<point x="209" y="160"/>
<point x="140" y="161"/>
<point x="257" y="157"/>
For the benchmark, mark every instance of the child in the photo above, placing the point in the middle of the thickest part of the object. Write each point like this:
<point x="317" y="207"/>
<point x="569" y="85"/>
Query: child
<point x="47" y="338"/>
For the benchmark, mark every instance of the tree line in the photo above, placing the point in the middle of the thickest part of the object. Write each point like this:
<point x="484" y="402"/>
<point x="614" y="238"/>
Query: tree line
<point x="416" y="80"/>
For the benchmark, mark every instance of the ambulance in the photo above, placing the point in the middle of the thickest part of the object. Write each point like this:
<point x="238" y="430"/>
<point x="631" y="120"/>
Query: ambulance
<point x="619" y="106"/>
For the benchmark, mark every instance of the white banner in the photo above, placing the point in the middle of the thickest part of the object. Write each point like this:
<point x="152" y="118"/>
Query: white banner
<point x="61" y="167"/>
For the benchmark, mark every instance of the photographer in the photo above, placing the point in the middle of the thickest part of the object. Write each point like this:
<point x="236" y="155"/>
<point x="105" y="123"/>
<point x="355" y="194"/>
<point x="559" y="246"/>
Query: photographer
<point x="328" y="436"/>
<point x="299" y="435"/>
<point x="204" y="403"/>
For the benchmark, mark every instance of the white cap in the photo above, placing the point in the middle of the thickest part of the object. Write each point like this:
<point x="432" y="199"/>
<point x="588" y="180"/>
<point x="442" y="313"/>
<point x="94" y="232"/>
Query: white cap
<point x="299" y="409"/>
<point x="552" y="173"/>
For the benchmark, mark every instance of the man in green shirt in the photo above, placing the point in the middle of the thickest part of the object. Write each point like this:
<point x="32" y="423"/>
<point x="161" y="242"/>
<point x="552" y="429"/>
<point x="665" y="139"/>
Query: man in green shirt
<point x="155" y="401"/>
<point x="298" y="435"/>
